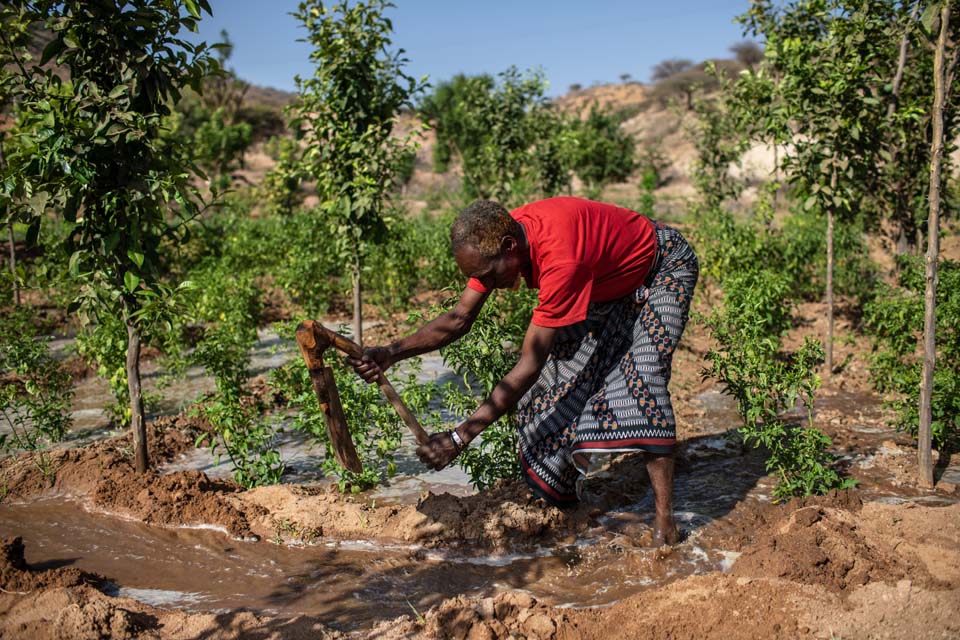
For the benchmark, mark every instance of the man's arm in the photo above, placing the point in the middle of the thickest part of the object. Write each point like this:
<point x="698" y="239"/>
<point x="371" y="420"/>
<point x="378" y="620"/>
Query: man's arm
<point x="440" y="450"/>
<point x="439" y="332"/>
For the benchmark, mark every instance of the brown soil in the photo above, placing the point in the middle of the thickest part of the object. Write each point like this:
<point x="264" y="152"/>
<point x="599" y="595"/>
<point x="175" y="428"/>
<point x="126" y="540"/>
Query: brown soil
<point x="103" y="474"/>
<point x="83" y="613"/>
<point x="821" y="567"/>
<point x="16" y="578"/>
<point x="826" y="547"/>
<point x="813" y="568"/>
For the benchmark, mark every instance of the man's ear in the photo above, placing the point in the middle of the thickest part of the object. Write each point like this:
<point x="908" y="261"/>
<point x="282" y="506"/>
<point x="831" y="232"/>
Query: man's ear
<point x="507" y="244"/>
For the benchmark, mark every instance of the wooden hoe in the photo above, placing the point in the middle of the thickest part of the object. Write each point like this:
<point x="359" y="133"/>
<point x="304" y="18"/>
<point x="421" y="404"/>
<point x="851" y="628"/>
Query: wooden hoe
<point x="314" y="339"/>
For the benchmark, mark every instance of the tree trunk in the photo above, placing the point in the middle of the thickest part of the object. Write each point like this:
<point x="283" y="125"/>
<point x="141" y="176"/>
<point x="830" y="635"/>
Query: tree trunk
<point x="13" y="249"/>
<point x="776" y="173"/>
<point x="13" y="266"/>
<point x="901" y="62"/>
<point x="357" y="303"/>
<point x="137" y="422"/>
<point x="830" y="217"/>
<point x="924" y="438"/>
<point x="902" y="214"/>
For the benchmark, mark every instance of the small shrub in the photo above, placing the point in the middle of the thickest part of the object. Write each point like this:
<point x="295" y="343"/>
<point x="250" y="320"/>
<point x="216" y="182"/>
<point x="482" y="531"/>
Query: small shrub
<point x="35" y="392"/>
<point x="227" y="308"/>
<point x="374" y="425"/>
<point x="766" y="382"/>
<point x="895" y="318"/>
<point x="483" y="357"/>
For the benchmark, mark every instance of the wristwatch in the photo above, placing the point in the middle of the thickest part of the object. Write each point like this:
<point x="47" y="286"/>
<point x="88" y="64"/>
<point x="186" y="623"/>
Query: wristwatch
<point x="457" y="440"/>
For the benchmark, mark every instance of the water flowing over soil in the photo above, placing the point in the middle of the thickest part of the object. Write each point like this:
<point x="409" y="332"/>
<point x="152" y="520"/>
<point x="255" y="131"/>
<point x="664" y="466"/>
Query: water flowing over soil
<point x="93" y="550"/>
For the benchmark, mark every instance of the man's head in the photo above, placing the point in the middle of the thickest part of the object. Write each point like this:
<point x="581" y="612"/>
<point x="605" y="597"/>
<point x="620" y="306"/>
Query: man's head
<point x="489" y="245"/>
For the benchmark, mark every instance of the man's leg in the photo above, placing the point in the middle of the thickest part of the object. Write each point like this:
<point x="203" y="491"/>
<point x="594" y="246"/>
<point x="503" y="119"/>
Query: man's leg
<point x="660" y="470"/>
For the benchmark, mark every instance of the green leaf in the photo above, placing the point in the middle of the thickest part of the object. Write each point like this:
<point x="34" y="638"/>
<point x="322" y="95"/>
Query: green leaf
<point x="931" y="18"/>
<point x="54" y="47"/>
<point x="192" y="8"/>
<point x="130" y="281"/>
<point x="33" y="231"/>
<point x="73" y="266"/>
<point x="136" y="257"/>
<point x="118" y="91"/>
<point x="809" y="202"/>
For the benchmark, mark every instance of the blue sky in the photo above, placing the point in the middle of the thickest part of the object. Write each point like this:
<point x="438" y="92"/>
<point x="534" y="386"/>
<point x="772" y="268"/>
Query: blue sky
<point x="573" y="42"/>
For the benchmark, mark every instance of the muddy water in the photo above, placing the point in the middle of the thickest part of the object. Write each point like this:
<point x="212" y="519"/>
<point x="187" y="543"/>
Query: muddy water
<point x="354" y="584"/>
<point x="349" y="585"/>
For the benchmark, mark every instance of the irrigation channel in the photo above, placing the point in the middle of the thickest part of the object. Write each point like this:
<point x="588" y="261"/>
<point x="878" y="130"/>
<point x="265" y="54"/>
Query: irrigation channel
<point x="356" y="583"/>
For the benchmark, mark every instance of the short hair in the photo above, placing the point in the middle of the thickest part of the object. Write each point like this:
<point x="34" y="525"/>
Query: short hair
<point x="483" y="225"/>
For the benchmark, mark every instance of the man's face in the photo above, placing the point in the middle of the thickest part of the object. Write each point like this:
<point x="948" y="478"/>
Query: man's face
<point x="500" y="272"/>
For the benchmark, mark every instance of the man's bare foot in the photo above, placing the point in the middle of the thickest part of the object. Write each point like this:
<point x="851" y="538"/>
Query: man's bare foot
<point x="665" y="533"/>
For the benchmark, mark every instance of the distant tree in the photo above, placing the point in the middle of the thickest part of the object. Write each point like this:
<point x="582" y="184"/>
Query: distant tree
<point x="685" y="83"/>
<point x="444" y="108"/>
<point x="625" y="77"/>
<point x="576" y="86"/>
<point x="604" y="153"/>
<point x="222" y="89"/>
<point x="669" y="68"/>
<point x="508" y="137"/>
<point x="748" y="53"/>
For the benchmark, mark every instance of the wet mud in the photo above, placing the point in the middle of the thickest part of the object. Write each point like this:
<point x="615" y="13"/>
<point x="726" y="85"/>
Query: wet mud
<point x="178" y="553"/>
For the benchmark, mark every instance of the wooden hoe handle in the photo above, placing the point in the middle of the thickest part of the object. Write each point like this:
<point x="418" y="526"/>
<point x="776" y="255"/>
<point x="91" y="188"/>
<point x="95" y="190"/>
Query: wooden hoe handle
<point x="329" y="399"/>
<point x="352" y="349"/>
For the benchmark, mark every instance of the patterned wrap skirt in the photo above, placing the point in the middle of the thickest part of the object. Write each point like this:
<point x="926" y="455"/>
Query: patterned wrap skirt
<point x="604" y="386"/>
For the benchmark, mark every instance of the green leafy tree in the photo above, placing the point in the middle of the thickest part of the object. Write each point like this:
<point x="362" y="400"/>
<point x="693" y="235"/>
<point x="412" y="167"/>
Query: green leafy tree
<point x="720" y="143"/>
<point x="15" y="38"/>
<point x="603" y="153"/>
<point x="347" y="111"/>
<point x="833" y="59"/>
<point x="895" y="317"/>
<point x="445" y="108"/>
<point x="510" y="140"/>
<point x="92" y="142"/>
<point x="218" y="147"/>
<point x="282" y="187"/>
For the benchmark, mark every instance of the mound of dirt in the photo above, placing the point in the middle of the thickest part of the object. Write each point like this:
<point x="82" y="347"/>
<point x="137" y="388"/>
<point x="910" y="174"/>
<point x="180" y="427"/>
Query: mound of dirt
<point x="507" y="514"/>
<point x="17" y="578"/>
<point x="506" y="615"/>
<point x="504" y="515"/>
<point x="827" y="547"/>
<point x="103" y="472"/>
<point x="81" y="613"/>
<point x="183" y="497"/>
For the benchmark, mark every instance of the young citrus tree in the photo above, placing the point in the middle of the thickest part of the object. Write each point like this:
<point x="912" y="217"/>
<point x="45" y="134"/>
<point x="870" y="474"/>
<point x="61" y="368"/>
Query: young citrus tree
<point x="90" y="132"/>
<point x="937" y="19"/>
<point x="347" y="111"/>
<point x="14" y="36"/>
<point x="832" y="60"/>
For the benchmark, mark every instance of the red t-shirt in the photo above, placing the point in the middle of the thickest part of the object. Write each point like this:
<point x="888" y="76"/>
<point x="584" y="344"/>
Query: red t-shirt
<point x="581" y="252"/>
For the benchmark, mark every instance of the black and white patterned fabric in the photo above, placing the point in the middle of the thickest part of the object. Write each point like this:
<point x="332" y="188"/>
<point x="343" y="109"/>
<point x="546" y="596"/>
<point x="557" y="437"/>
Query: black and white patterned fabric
<point x="604" y="385"/>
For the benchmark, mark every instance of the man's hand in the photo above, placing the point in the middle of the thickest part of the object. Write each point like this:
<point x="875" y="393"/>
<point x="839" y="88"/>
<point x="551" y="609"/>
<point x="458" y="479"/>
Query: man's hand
<point x="439" y="451"/>
<point x="375" y="360"/>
